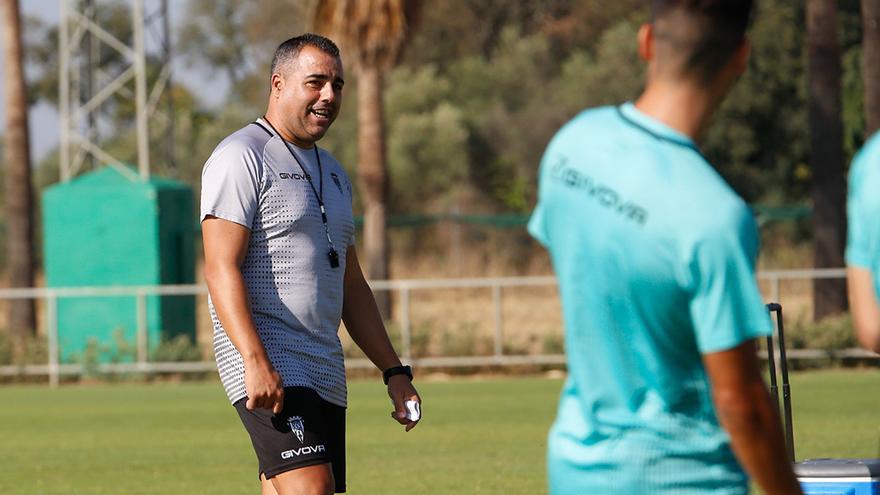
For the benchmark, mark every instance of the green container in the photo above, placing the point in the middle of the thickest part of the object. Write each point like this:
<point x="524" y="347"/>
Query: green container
<point x="107" y="229"/>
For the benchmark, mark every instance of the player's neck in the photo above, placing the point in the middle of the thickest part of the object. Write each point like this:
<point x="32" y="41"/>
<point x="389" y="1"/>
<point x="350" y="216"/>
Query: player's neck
<point x="278" y="124"/>
<point x="682" y="106"/>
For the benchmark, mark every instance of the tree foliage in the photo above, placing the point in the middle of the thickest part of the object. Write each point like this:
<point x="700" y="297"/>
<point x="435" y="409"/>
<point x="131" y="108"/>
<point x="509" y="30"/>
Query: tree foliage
<point x="483" y="85"/>
<point x="512" y="94"/>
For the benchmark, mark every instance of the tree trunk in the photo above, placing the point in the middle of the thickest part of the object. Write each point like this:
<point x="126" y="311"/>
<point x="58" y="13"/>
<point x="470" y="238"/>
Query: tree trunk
<point x="826" y="155"/>
<point x="871" y="64"/>
<point x="19" y="254"/>
<point x="373" y="177"/>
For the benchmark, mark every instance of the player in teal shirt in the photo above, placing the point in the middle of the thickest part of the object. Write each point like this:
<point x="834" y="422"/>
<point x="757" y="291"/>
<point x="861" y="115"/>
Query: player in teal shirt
<point x="655" y="256"/>
<point x="863" y="243"/>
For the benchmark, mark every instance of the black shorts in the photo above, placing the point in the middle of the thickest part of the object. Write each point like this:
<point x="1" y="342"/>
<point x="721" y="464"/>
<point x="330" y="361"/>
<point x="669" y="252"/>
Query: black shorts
<point x="308" y="431"/>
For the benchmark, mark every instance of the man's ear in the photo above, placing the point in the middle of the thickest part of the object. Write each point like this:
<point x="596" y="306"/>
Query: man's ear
<point x="740" y="60"/>
<point x="646" y="42"/>
<point x="276" y="84"/>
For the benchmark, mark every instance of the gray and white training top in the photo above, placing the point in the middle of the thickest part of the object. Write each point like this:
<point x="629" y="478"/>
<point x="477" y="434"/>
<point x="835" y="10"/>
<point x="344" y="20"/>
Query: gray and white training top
<point x="295" y="296"/>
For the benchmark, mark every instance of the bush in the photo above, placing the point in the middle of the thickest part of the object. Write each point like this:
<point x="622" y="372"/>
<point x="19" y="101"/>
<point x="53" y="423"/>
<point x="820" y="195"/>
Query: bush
<point x="830" y="334"/>
<point x="6" y="351"/>
<point x="178" y="349"/>
<point x="35" y="350"/>
<point x="553" y="342"/>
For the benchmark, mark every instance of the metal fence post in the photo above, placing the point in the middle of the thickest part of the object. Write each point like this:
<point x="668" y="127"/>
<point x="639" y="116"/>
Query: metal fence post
<point x="141" y="327"/>
<point x="52" y="336"/>
<point x="499" y="320"/>
<point x="405" y="326"/>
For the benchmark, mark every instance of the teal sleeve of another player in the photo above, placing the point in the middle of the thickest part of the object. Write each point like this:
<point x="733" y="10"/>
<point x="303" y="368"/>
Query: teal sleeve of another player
<point x="537" y="225"/>
<point x="863" y="210"/>
<point x="538" y="221"/>
<point x="726" y="307"/>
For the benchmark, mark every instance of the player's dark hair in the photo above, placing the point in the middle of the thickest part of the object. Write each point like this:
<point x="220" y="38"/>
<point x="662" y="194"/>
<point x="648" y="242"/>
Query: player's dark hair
<point x="704" y="33"/>
<point x="289" y="50"/>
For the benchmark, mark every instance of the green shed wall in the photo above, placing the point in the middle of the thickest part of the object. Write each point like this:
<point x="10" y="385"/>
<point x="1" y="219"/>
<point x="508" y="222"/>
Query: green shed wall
<point x="103" y="229"/>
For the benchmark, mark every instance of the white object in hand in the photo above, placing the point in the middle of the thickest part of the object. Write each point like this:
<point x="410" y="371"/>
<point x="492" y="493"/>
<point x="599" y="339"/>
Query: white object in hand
<point x="413" y="412"/>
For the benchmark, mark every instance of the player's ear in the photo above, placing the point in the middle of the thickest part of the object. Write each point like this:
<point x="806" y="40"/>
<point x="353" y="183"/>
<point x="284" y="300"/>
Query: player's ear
<point x="646" y="42"/>
<point x="740" y="59"/>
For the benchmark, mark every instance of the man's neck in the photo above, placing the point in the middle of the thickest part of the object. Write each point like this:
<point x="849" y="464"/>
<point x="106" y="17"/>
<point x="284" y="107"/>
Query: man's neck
<point x="276" y="122"/>
<point x="680" y="105"/>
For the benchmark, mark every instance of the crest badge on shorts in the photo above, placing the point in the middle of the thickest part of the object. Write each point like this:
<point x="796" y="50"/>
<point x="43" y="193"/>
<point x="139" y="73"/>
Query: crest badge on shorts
<point x="297" y="427"/>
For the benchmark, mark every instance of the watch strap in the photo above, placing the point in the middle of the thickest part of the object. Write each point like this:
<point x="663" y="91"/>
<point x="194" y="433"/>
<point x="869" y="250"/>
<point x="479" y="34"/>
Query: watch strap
<point x="396" y="370"/>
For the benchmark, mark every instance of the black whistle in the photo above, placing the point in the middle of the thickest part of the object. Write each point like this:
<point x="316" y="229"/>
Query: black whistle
<point x="334" y="258"/>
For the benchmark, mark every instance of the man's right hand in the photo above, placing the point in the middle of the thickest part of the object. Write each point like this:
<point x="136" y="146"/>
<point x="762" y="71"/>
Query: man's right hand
<point x="264" y="387"/>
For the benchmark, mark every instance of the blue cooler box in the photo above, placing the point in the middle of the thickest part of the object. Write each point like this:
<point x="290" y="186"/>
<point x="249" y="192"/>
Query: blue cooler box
<point x="839" y="476"/>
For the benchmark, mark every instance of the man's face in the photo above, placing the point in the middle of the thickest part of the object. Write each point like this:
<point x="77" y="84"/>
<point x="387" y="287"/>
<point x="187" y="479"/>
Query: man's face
<point x="309" y="92"/>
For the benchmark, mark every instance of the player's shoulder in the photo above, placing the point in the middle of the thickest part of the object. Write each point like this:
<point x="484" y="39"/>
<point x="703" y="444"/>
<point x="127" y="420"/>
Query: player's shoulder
<point x="596" y="116"/>
<point x="726" y="221"/>
<point x="866" y="163"/>
<point x="871" y="148"/>
<point x="243" y="147"/>
<point x="710" y="200"/>
<point x="586" y="124"/>
<point x="249" y="140"/>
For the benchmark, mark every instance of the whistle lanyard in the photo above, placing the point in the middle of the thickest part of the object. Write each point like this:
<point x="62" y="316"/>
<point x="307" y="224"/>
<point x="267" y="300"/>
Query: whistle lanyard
<point x="318" y="195"/>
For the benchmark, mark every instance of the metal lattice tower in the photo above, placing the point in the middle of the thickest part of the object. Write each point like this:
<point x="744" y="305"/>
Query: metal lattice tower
<point x="86" y="86"/>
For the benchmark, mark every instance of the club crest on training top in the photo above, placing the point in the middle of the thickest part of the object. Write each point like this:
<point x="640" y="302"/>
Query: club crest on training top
<point x="336" y="181"/>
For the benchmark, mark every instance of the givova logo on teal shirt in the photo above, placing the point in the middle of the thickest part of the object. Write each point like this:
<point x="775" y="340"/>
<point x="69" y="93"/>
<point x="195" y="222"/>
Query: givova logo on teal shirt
<point x="603" y="194"/>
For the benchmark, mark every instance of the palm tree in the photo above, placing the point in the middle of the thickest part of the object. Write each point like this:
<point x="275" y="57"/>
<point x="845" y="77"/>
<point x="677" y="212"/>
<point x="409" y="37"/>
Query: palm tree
<point x="19" y="199"/>
<point x="826" y="154"/>
<point x="372" y="34"/>
<point x="871" y="63"/>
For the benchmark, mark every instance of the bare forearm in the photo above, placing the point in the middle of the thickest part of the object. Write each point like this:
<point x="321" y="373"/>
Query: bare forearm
<point x="865" y="307"/>
<point x="364" y="324"/>
<point x="229" y="295"/>
<point x="867" y="331"/>
<point x="757" y="440"/>
<point x="746" y="412"/>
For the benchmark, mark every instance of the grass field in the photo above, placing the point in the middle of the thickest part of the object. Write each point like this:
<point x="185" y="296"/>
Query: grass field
<point x="477" y="436"/>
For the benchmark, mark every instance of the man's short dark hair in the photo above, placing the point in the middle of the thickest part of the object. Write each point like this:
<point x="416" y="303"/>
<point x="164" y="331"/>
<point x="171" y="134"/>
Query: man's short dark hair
<point x="703" y="33"/>
<point x="290" y="49"/>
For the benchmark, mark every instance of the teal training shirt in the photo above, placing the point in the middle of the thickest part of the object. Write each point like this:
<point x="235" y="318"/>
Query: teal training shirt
<point x="655" y="257"/>
<point x="863" y="210"/>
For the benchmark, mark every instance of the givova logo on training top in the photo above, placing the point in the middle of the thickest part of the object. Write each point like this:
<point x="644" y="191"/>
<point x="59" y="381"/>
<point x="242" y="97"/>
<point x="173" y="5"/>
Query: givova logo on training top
<point x="603" y="194"/>
<point x="295" y="176"/>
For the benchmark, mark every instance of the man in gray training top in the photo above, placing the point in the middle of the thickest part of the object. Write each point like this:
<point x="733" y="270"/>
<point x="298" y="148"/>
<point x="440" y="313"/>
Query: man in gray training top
<point x="282" y="270"/>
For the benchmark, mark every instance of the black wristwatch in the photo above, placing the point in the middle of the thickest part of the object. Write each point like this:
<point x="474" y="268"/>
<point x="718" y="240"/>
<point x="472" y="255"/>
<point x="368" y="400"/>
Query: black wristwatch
<point x="396" y="370"/>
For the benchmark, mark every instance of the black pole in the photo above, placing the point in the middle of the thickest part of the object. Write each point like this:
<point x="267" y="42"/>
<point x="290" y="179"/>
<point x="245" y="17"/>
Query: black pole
<point x="771" y="364"/>
<point x="786" y="389"/>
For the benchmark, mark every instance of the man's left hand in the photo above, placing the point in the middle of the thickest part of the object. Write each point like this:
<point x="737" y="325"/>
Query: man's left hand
<point x="401" y="389"/>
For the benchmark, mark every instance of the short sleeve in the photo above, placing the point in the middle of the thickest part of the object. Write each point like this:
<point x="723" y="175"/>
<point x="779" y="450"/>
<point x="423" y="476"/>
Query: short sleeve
<point x="349" y="189"/>
<point x="536" y="225"/>
<point x="863" y="208"/>
<point x="726" y="305"/>
<point x="231" y="183"/>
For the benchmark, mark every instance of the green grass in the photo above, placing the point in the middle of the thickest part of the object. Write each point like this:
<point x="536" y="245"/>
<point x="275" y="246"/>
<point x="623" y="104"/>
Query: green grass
<point x="485" y="436"/>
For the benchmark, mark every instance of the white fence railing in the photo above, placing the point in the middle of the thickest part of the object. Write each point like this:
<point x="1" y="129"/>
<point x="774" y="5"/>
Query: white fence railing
<point x="404" y="288"/>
